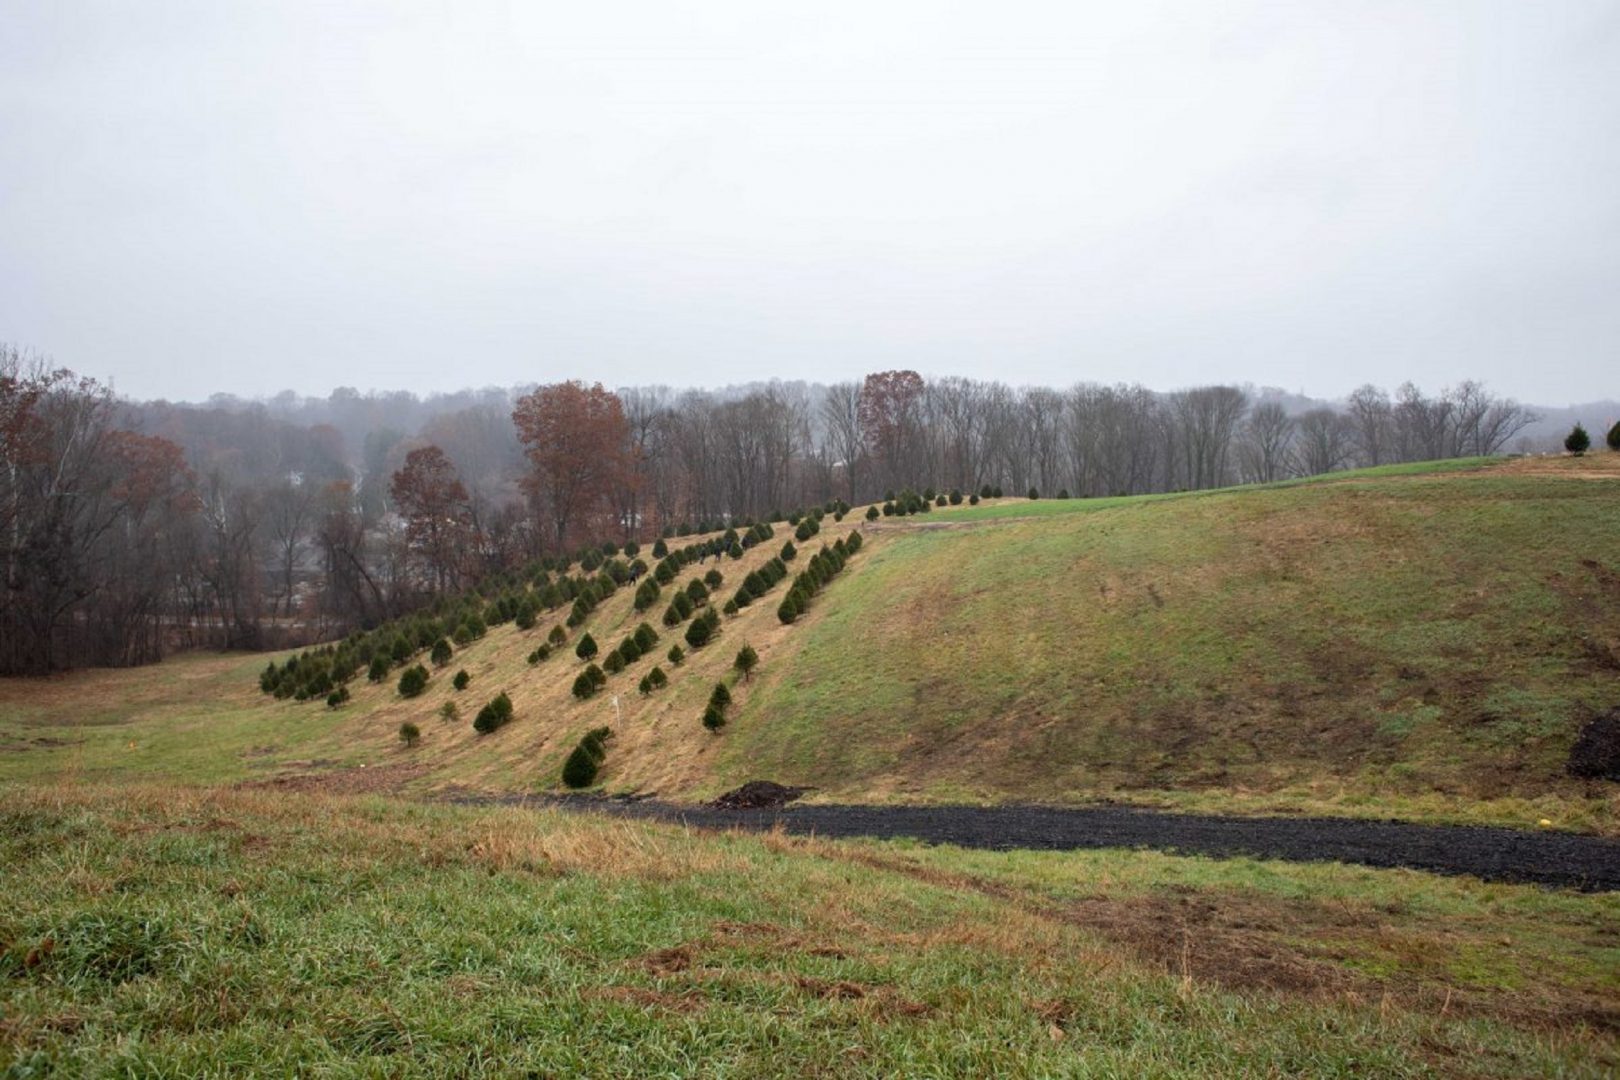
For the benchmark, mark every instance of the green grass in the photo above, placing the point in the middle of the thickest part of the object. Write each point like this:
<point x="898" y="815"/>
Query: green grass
<point x="178" y="932"/>
<point x="1412" y="642"/>
<point x="1047" y="507"/>
<point x="196" y="718"/>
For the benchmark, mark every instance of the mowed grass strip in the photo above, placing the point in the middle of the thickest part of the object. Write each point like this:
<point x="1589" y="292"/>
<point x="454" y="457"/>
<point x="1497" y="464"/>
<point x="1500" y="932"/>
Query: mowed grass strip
<point x="175" y="931"/>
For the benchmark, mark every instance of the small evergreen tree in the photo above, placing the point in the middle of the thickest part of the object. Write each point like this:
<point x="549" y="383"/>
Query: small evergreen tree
<point x="495" y="714"/>
<point x="597" y="676"/>
<point x="579" y="771"/>
<point x="379" y="669"/>
<point x="614" y="663"/>
<point x="1033" y="494"/>
<point x="872" y="513"/>
<point x="557" y="636"/>
<point x="645" y="685"/>
<point x="441" y="653"/>
<point x="713" y="718"/>
<point x="586" y="647"/>
<point x="449" y="711"/>
<point x="720" y="698"/>
<point x="461" y="680"/>
<point x="660" y="549"/>
<point x="676" y="655"/>
<point x="697" y="634"/>
<point x="747" y="660"/>
<point x="731" y="607"/>
<point x="658" y="678"/>
<point x="409" y="733"/>
<point x="646" y="638"/>
<point x="973" y="500"/>
<point x="714" y="579"/>
<point x="789" y="552"/>
<point x="1577" y="441"/>
<point x="1613" y="438"/>
<point x="413" y="681"/>
<point x="337" y="697"/>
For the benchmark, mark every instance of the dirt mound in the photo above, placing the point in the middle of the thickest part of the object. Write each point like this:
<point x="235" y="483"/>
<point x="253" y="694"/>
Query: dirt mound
<point x="758" y="795"/>
<point x="1596" y="753"/>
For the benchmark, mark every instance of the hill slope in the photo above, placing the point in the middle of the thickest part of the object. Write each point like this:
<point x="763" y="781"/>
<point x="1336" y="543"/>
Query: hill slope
<point x="1444" y="632"/>
<point x="1411" y="641"/>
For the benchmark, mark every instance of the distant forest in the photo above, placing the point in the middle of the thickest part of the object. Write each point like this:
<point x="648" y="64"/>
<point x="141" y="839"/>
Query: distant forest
<point x="132" y="529"/>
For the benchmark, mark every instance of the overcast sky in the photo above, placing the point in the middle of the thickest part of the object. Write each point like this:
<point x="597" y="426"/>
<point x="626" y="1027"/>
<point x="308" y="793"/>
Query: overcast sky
<point x="216" y="196"/>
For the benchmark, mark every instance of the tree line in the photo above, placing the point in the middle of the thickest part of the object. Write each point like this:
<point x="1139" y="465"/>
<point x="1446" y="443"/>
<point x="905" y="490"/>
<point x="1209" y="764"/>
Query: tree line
<point x="131" y="529"/>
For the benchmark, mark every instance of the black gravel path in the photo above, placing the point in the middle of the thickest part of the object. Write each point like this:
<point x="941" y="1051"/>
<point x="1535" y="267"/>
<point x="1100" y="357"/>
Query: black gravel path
<point x="1588" y="863"/>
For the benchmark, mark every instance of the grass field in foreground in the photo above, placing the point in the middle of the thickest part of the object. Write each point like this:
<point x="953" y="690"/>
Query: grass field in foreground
<point x="163" y="931"/>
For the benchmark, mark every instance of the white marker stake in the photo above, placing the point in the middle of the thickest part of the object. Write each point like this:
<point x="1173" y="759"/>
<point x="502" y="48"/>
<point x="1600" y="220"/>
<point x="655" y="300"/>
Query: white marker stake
<point x="616" y="717"/>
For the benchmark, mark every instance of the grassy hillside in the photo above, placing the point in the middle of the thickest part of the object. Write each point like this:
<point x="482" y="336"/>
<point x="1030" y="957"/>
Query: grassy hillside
<point x="1423" y="642"/>
<point x="1432" y="633"/>
<point x="178" y="931"/>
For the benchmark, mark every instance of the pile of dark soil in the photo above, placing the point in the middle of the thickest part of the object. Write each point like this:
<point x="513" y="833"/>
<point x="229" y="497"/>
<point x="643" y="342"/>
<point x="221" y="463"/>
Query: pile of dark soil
<point x="758" y="795"/>
<point x="1596" y="753"/>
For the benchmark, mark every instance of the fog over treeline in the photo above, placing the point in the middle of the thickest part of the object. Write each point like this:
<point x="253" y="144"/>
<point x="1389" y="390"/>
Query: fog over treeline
<point x="133" y="528"/>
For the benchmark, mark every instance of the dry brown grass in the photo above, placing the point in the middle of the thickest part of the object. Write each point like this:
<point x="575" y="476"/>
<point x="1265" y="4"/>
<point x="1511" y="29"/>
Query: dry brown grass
<point x="557" y="842"/>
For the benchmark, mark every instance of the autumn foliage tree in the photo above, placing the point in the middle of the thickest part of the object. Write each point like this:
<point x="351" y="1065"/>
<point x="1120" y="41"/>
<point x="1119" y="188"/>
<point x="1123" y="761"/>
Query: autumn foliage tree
<point x="576" y="440"/>
<point x="429" y="495"/>
<point x="94" y="524"/>
<point x="891" y="417"/>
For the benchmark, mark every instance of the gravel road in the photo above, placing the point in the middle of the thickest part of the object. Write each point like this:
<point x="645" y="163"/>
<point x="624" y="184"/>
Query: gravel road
<point x="1587" y="863"/>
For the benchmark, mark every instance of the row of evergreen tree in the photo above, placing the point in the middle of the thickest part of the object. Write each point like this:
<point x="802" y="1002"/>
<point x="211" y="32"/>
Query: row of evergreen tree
<point x="1579" y="442"/>
<point x="824" y="565"/>
<point x="454" y="622"/>
<point x="757" y="583"/>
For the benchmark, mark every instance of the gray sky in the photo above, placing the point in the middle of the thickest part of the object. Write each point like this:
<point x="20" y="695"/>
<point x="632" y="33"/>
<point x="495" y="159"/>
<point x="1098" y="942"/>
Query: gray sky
<point x="217" y="196"/>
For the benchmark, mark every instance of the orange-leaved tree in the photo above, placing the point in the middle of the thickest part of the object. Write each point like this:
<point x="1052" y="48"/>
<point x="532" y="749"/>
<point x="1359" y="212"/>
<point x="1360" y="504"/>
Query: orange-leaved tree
<point x="891" y="420"/>
<point x="577" y="441"/>
<point x="438" y="515"/>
